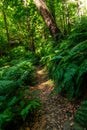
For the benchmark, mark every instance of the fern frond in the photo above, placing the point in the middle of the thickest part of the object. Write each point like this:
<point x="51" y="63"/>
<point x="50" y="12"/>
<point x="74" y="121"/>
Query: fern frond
<point x="81" y="115"/>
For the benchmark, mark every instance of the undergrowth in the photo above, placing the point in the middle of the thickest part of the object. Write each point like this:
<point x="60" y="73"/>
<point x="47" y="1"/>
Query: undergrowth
<point x="16" y="76"/>
<point x="81" y="115"/>
<point x="67" y="65"/>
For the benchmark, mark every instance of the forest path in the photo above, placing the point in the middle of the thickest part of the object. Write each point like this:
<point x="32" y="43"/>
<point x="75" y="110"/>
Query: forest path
<point x="56" y="113"/>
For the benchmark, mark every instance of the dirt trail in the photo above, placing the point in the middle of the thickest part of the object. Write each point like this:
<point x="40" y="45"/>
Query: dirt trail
<point x="56" y="113"/>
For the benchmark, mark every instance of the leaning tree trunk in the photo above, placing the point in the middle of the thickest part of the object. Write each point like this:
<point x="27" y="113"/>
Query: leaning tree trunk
<point x="48" y="18"/>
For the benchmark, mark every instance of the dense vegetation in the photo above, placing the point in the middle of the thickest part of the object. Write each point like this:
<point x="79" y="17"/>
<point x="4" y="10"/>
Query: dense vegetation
<point x="68" y="64"/>
<point x="26" y="41"/>
<point x="15" y="78"/>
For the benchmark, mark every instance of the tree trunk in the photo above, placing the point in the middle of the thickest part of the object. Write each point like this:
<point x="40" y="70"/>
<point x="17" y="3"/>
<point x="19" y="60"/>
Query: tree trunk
<point x="6" y="26"/>
<point x="29" y="29"/>
<point x="49" y="20"/>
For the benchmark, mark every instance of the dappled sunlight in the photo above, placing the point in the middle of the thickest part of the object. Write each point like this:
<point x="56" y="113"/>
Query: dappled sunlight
<point x="45" y="84"/>
<point x="40" y="72"/>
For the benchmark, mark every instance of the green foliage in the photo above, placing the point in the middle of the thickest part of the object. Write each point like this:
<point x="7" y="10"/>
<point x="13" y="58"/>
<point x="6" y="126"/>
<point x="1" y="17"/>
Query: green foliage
<point x="68" y="64"/>
<point x="81" y="115"/>
<point x="3" y="45"/>
<point x="45" y="52"/>
<point x="34" y="104"/>
<point x="7" y="87"/>
<point x="4" y="60"/>
<point x="15" y="78"/>
<point x="18" y="52"/>
<point x="21" y="53"/>
<point x="13" y="105"/>
<point x="21" y="71"/>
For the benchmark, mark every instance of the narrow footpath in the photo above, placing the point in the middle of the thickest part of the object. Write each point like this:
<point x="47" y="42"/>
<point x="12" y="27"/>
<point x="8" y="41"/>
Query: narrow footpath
<point x="57" y="113"/>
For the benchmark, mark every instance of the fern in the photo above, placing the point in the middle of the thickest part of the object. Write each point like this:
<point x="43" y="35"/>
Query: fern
<point x="7" y="86"/>
<point x="68" y="65"/>
<point x="13" y="83"/>
<point x="34" y="104"/>
<point x="13" y="105"/>
<point x="21" y="71"/>
<point x="81" y="115"/>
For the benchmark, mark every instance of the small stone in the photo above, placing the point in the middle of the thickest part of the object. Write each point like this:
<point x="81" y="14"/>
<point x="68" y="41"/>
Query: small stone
<point x="71" y="124"/>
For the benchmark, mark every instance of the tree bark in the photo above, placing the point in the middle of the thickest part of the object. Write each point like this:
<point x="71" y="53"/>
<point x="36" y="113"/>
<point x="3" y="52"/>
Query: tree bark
<point x="49" y="20"/>
<point x="6" y="26"/>
<point x="29" y="29"/>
